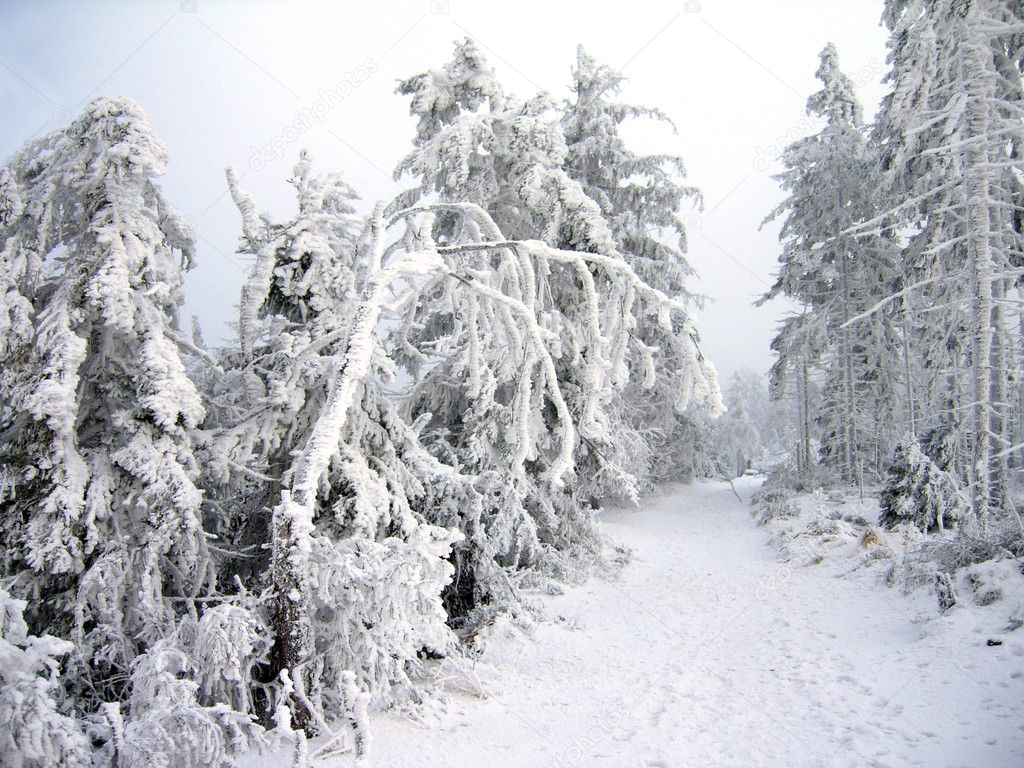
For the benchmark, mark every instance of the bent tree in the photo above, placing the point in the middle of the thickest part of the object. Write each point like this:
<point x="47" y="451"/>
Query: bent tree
<point x="495" y="279"/>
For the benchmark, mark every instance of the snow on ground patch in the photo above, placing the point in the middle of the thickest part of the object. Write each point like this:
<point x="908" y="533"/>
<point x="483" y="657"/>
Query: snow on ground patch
<point x="707" y="650"/>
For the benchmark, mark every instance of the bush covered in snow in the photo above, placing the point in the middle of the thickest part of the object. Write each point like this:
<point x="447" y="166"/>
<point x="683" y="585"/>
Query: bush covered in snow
<point x="771" y="503"/>
<point x="168" y="727"/>
<point x="920" y="493"/>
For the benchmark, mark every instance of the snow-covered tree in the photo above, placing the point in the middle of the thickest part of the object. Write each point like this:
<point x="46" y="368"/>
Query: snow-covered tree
<point x="514" y="162"/>
<point x="295" y="305"/>
<point x="798" y="343"/>
<point x="950" y="134"/>
<point x="641" y="196"/>
<point x="339" y="516"/>
<point x="920" y="493"/>
<point x="102" y="526"/>
<point x="836" y="275"/>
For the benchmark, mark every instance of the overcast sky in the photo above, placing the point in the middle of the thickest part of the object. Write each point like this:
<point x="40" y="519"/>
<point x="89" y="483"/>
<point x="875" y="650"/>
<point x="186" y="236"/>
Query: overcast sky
<point x="223" y="80"/>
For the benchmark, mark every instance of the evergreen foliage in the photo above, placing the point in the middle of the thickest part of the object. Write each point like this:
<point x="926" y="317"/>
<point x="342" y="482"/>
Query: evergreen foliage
<point x="207" y="551"/>
<point x="918" y="492"/>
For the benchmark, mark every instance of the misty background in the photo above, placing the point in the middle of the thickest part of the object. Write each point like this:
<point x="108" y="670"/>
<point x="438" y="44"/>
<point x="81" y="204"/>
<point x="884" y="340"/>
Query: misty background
<point x="250" y="84"/>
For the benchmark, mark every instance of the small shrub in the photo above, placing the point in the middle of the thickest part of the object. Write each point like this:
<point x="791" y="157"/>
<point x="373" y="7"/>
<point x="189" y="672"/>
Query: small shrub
<point x="773" y="504"/>
<point x="920" y="493"/>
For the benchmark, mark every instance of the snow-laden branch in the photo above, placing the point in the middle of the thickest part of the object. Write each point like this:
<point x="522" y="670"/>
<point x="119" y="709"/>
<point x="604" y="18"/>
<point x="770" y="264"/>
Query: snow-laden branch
<point x="610" y="264"/>
<point x="246" y="207"/>
<point x="1001" y="274"/>
<point x="326" y="434"/>
<point x="888" y="300"/>
<point x="564" y="462"/>
<point x="194" y="349"/>
<point x="872" y="223"/>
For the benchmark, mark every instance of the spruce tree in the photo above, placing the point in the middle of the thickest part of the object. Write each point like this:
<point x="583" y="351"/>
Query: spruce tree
<point x="325" y="518"/>
<point x="641" y="196"/>
<point x="920" y="493"/>
<point x="836" y="275"/>
<point x="102" y="522"/>
<point x="950" y="135"/>
<point x="510" y="157"/>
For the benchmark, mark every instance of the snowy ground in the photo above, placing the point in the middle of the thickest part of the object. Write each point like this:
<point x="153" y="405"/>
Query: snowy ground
<point x="709" y="651"/>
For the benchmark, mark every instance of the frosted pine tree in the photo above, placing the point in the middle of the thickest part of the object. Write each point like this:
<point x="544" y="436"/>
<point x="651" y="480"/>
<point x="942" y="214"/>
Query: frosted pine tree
<point x="835" y="275"/>
<point x="102" y="524"/>
<point x="475" y="144"/>
<point x="325" y="477"/>
<point x="799" y="342"/>
<point x="950" y="132"/>
<point x="918" y="492"/>
<point x="641" y="197"/>
<point x="294" y="306"/>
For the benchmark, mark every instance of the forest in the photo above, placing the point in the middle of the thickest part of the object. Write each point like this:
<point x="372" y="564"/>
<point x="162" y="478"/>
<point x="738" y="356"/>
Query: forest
<point x="214" y="550"/>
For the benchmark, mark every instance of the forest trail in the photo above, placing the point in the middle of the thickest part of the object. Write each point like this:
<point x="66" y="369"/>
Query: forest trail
<point x="708" y="651"/>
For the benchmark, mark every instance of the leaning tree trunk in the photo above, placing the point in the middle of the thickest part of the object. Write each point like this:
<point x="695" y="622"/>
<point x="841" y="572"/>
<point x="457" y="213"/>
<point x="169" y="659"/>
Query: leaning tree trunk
<point x="293" y="516"/>
<point x="293" y="636"/>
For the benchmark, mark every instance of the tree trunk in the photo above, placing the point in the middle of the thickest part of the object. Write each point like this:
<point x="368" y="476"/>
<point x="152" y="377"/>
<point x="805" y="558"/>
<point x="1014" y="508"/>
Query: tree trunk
<point x="911" y="420"/>
<point x="851" y="454"/>
<point x="979" y="247"/>
<point x="805" y="419"/>
<point x="850" y="470"/>
<point x="293" y="642"/>
<point x="1000" y="438"/>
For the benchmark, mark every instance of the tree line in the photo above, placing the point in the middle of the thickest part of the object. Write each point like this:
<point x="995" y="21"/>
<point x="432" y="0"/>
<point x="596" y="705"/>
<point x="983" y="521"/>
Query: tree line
<point x="205" y="549"/>
<point x="902" y="248"/>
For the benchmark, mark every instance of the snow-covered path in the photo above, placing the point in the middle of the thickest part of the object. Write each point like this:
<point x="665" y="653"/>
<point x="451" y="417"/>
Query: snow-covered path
<point x="708" y="651"/>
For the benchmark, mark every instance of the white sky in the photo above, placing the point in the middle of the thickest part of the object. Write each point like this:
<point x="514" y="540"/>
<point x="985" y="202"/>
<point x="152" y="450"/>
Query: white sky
<point x="222" y="78"/>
